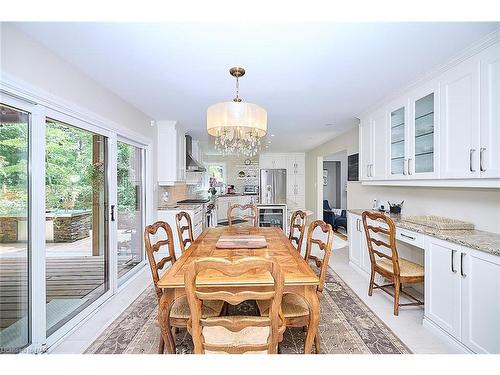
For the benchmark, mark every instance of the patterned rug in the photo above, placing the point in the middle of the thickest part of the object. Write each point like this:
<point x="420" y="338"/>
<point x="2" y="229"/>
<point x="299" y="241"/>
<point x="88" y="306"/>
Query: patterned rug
<point x="347" y="326"/>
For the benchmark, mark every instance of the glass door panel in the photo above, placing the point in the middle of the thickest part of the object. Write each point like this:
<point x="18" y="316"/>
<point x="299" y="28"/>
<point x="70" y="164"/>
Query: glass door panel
<point x="424" y="134"/>
<point x="398" y="141"/>
<point x="130" y="216"/>
<point x="272" y="217"/>
<point x="14" y="252"/>
<point x="76" y="228"/>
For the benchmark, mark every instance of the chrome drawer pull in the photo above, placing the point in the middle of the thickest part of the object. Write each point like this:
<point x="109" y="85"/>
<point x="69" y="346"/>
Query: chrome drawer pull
<point x="472" y="150"/>
<point x="462" y="265"/>
<point x="410" y="237"/>
<point x="452" y="257"/>
<point x="481" y="150"/>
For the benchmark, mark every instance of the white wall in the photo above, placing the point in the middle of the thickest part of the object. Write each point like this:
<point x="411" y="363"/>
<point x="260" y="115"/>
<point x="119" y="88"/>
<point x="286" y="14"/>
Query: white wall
<point x="479" y="206"/>
<point x="28" y="62"/>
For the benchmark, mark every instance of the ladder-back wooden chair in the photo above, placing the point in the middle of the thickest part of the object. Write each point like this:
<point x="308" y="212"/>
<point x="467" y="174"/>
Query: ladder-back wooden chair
<point x="243" y="215"/>
<point x="179" y="311"/>
<point x="391" y="267"/>
<point x="297" y="229"/>
<point x="181" y="229"/>
<point x="235" y="334"/>
<point x="295" y="308"/>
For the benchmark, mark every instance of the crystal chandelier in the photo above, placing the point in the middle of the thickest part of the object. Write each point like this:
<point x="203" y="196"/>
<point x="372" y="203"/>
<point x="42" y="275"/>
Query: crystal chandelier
<point x="237" y="126"/>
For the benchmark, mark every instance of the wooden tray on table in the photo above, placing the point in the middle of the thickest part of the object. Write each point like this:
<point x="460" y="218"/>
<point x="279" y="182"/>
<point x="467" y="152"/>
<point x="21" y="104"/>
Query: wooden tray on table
<point x="241" y="241"/>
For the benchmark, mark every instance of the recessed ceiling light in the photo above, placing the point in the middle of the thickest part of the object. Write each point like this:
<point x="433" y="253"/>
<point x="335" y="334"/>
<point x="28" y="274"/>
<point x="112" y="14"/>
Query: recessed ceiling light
<point x="329" y="124"/>
<point x="272" y="135"/>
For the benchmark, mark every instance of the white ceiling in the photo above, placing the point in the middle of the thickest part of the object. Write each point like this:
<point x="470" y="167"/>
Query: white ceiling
<point x="305" y="75"/>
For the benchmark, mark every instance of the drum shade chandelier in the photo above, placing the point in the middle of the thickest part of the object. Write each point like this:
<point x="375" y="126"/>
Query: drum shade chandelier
<point x="237" y="126"/>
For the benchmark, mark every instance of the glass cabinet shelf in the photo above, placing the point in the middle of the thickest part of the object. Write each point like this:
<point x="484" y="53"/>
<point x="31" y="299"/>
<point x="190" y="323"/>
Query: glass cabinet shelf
<point x="424" y="134"/>
<point x="398" y="141"/>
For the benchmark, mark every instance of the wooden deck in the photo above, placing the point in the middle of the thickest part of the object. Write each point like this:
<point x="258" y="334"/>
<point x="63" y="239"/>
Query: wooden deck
<point x="69" y="278"/>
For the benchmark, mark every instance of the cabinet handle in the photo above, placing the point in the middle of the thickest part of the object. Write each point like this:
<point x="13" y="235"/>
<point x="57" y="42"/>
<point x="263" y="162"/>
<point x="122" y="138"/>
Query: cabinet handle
<point x="367" y="170"/>
<point x="472" y="150"/>
<point x="410" y="237"/>
<point x="409" y="169"/>
<point x="452" y="265"/>
<point x="404" y="166"/>
<point x="371" y="170"/>
<point x="462" y="265"/>
<point x="481" y="150"/>
<point x="357" y="225"/>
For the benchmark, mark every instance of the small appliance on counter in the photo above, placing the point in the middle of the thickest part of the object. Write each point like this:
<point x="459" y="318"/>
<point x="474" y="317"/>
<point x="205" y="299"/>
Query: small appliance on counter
<point x="251" y="189"/>
<point x="230" y="189"/>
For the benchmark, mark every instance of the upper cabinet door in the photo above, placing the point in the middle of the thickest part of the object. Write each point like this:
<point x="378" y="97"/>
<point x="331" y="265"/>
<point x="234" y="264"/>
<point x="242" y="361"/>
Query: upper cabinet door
<point x="379" y="143"/>
<point x="423" y="133"/>
<point x="398" y="129"/>
<point x="365" y="149"/>
<point x="459" y="126"/>
<point x="489" y="151"/>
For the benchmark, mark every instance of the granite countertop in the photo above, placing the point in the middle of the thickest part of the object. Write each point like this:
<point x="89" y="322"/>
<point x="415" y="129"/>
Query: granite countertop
<point x="476" y="239"/>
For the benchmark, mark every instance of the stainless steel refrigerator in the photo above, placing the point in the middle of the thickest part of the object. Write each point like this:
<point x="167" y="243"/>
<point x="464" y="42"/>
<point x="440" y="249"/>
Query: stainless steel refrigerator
<point x="272" y="186"/>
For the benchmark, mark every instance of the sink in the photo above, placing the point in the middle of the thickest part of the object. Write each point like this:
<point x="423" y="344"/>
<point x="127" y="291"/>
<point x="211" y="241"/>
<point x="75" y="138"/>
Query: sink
<point x="439" y="222"/>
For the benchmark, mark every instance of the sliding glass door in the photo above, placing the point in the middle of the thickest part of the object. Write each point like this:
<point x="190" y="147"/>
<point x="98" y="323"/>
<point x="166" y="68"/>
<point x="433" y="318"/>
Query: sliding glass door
<point x="130" y="199"/>
<point x="14" y="219"/>
<point x="76" y="225"/>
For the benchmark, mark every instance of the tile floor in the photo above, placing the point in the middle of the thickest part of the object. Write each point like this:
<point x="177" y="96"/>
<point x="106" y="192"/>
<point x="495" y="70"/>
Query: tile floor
<point x="407" y="326"/>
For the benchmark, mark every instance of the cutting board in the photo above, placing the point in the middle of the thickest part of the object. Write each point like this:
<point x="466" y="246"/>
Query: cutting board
<point x="241" y="241"/>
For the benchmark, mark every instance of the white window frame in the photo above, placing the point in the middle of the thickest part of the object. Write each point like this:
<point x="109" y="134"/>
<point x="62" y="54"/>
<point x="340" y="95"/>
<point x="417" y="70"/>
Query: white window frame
<point x="42" y="105"/>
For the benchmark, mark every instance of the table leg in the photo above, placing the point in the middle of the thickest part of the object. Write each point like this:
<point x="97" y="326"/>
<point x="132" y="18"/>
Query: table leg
<point x="313" y="302"/>
<point x="164" y="307"/>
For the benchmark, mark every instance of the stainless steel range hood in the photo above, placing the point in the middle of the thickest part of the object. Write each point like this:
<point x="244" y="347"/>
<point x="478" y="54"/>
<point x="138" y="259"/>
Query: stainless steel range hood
<point x="192" y="165"/>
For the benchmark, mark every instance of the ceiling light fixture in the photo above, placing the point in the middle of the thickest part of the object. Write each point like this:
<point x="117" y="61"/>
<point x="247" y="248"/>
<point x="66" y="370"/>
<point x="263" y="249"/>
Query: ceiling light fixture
<point x="237" y="126"/>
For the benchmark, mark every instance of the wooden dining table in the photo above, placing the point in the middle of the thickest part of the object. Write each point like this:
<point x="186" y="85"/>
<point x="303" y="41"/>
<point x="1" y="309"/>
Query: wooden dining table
<point x="299" y="277"/>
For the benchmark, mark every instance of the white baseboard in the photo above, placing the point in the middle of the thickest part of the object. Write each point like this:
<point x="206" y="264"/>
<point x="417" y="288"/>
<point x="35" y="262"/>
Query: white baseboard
<point x="427" y="323"/>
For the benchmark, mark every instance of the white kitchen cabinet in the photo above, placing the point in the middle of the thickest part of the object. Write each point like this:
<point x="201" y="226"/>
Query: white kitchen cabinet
<point x="423" y="132"/>
<point x="374" y="146"/>
<point x="480" y="278"/>
<point x="460" y="121"/>
<point x="442" y="285"/>
<point x="272" y="161"/>
<point x="223" y="204"/>
<point x="171" y="163"/>
<point x="489" y="148"/>
<point x="353" y="229"/>
<point x="398" y="139"/>
<point x="365" y="149"/>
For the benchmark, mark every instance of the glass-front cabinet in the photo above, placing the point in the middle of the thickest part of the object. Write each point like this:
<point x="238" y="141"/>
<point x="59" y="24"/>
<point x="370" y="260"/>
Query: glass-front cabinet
<point x="398" y="142"/>
<point x="422" y="155"/>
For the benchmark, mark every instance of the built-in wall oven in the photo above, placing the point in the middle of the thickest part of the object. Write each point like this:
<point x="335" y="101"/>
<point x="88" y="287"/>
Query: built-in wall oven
<point x="272" y="215"/>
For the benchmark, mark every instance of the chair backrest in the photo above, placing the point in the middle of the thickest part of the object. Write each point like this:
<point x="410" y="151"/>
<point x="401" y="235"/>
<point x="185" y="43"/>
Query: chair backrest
<point x="188" y="227"/>
<point x="326" y="247"/>
<point x="370" y="240"/>
<point x="297" y="223"/>
<point x="196" y="297"/>
<point x="326" y="205"/>
<point x="152" y="248"/>
<point x="243" y="216"/>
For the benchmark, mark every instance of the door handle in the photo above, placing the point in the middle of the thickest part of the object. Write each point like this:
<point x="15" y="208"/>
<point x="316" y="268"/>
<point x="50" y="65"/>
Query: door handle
<point x="462" y="265"/>
<point x="452" y="265"/>
<point x="481" y="150"/>
<point x="410" y="237"/>
<point x="112" y="209"/>
<point x="472" y="150"/>
<point x="409" y="170"/>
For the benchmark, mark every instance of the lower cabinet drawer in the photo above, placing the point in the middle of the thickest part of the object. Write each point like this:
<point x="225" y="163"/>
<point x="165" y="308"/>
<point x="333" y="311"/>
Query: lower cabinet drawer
<point x="412" y="238"/>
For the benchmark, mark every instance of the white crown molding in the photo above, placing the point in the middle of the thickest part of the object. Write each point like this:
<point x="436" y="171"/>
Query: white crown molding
<point x="472" y="50"/>
<point x="22" y="90"/>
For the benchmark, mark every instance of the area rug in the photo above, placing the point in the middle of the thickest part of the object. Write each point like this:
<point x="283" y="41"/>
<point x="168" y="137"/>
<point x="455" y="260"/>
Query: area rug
<point x="347" y="326"/>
